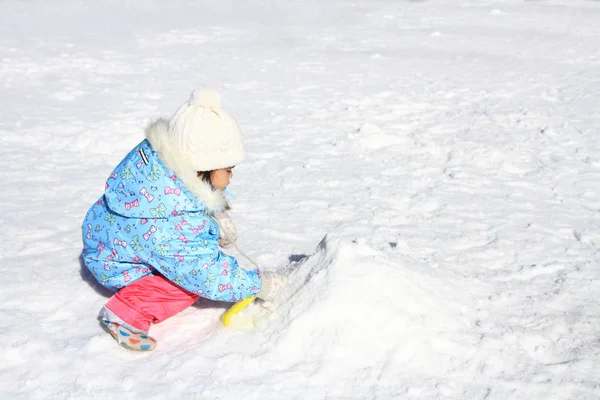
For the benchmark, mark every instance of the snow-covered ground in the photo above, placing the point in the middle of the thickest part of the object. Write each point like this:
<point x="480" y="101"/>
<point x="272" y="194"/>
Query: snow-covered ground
<point x="431" y="168"/>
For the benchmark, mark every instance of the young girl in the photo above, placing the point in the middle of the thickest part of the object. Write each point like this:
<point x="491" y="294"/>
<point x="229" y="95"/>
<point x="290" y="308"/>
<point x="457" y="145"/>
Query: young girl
<point x="154" y="236"/>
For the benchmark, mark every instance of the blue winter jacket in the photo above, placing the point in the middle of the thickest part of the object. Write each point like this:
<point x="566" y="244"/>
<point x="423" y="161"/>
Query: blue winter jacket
<point x="148" y="222"/>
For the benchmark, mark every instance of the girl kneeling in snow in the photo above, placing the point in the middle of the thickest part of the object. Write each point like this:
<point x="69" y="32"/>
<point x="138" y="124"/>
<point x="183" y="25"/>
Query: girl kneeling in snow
<point x="153" y="237"/>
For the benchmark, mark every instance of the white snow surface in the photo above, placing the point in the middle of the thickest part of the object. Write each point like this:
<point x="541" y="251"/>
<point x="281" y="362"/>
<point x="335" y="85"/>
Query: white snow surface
<point x="431" y="169"/>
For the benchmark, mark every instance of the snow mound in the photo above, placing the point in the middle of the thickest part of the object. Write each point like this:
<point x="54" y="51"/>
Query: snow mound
<point x="395" y="315"/>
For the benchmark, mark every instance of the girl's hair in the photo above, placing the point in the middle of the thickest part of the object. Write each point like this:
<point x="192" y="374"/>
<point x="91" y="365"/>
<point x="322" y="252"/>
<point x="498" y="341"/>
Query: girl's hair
<point x="205" y="176"/>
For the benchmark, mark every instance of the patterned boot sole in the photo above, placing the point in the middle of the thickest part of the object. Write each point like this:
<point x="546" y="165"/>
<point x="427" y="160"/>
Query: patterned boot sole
<point x="126" y="338"/>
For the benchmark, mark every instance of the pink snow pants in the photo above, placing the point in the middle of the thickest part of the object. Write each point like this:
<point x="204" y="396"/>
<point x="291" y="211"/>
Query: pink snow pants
<point x="151" y="299"/>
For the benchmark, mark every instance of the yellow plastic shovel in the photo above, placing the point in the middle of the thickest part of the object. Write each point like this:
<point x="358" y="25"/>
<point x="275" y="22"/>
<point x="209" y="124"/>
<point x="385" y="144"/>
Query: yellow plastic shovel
<point x="234" y="309"/>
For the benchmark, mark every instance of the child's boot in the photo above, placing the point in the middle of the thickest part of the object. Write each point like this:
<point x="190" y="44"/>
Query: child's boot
<point x="128" y="339"/>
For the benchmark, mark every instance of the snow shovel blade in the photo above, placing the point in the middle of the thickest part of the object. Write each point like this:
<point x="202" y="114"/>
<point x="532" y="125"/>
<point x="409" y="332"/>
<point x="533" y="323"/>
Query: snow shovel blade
<point x="234" y="309"/>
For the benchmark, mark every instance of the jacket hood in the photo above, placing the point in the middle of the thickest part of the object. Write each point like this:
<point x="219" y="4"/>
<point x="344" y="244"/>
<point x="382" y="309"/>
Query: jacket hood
<point x="153" y="181"/>
<point x="182" y="165"/>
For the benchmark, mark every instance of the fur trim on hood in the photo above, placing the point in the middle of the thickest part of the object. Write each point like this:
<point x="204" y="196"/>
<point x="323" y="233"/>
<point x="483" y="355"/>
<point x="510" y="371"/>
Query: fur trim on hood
<point x="173" y="158"/>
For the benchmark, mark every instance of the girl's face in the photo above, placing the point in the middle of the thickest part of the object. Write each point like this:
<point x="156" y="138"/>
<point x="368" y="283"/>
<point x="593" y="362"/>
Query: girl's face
<point x="219" y="178"/>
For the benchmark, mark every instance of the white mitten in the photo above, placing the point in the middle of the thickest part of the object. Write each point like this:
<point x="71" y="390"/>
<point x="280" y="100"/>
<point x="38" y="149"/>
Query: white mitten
<point x="272" y="283"/>
<point x="228" y="232"/>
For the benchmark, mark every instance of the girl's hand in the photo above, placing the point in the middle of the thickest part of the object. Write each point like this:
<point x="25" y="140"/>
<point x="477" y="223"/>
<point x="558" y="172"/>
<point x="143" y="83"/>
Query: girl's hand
<point x="228" y="232"/>
<point x="272" y="284"/>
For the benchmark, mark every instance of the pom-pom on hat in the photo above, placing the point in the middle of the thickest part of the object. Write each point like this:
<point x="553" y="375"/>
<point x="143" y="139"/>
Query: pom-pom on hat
<point x="205" y="133"/>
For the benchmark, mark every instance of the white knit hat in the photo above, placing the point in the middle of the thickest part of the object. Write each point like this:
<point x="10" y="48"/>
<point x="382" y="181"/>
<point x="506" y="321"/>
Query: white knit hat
<point x="205" y="133"/>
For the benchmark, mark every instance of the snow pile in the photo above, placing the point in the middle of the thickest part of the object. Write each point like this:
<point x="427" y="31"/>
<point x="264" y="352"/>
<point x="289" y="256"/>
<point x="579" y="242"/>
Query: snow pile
<point x="377" y="317"/>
